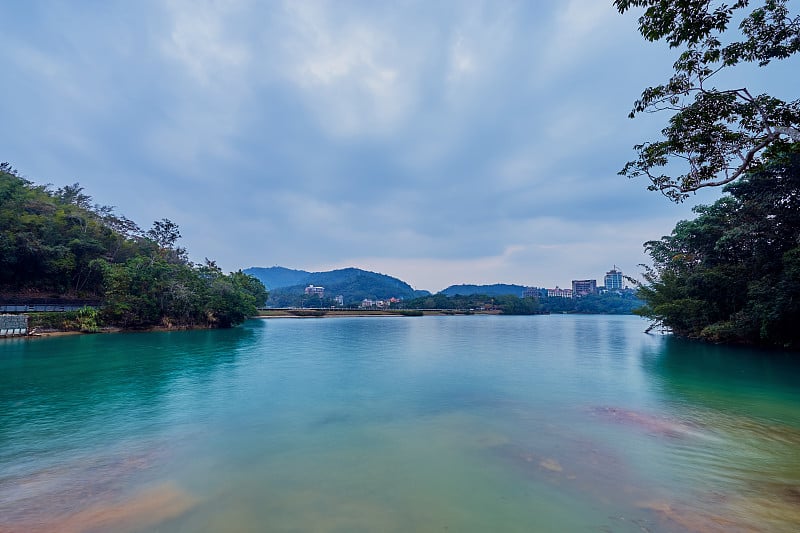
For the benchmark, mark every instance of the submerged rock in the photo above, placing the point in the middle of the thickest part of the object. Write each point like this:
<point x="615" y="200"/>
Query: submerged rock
<point x="48" y="498"/>
<point x="551" y="465"/>
<point x="146" y="508"/>
<point x="694" y="520"/>
<point x="656" y="425"/>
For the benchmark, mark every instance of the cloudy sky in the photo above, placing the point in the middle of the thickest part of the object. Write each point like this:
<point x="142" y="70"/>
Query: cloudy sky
<point x="440" y="142"/>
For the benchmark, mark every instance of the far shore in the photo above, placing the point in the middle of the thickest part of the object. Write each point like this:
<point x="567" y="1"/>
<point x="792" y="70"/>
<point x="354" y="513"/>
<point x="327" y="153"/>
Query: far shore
<point x="337" y="313"/>
<point x="264" y="313"/>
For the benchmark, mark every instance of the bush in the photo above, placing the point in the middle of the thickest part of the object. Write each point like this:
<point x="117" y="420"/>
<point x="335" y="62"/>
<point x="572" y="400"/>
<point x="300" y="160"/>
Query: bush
<point x="308" y="312"/>
<point x="85" y="320"/>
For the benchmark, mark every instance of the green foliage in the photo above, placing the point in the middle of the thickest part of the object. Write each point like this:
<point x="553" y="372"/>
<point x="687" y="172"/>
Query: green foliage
<point x="86" y="319"/>
<point x="610" y="303"/>
<point x="442" y="301"/>
<point x="497" y="289"/>
<point x="506" y="304"/>
<point x="143" y="292"/>
<point x="408" y="312"/>
<point x="57" y="242"/>
<point x="714" y="135"/>
<point x="50" y="240"/>
<point x="308" y="312"/>
<point x="511" y="305"/>
<point x="733" y="273"/>
<point x="52" y="320"/>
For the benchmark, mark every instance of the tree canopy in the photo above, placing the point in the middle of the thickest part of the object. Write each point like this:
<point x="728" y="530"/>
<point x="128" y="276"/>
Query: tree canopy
<point x="57" y="243"/>
<point x="733" y="273"/>
<point x="506" y="303"/>
<point x="714" y="135"/>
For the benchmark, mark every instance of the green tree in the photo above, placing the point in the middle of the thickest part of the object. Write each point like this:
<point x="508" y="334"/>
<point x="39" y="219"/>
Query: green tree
<point x="224" y="307"/>
<point x="733" y="273"/>
<point x="251" y="286"/>
<point x="135" y="292"/>
<point x="57" y="243"/>
<point x="714" y="135"/>
<point x="164" y="232"/>
<point x="511" y="305"/>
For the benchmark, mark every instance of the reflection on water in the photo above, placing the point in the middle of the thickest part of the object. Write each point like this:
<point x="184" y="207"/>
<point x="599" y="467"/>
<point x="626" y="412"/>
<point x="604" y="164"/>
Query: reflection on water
<point x="440" y="423"/>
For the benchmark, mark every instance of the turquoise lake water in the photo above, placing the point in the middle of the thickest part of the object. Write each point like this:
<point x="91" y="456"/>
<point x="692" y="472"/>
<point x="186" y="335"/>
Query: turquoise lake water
<point x="466" y="423"/>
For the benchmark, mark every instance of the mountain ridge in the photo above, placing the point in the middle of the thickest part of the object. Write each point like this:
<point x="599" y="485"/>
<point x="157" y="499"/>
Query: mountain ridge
<point x="287" y="286"/>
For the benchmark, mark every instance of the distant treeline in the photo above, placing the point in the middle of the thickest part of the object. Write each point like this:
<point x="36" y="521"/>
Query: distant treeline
<point x="57" y="243"/>
<point x="608" y="303"/>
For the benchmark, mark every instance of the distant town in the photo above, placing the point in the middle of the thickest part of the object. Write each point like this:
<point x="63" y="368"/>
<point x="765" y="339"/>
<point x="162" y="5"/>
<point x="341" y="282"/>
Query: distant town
<point x="613" y="282"/>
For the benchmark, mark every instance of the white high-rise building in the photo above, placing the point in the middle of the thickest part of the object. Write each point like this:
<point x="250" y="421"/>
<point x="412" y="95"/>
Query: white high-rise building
<point x="614" y="280"/>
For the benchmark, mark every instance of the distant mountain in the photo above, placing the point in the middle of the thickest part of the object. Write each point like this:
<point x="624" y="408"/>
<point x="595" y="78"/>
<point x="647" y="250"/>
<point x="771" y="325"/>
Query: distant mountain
<point x="287" y="286"/>
<point x="276" y="277"/>
<point x="498" y="289"/>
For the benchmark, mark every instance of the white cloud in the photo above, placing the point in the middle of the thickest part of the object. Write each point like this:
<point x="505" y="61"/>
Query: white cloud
<point x="547" y="251"/>
<point x="462" y="61"/>
<point x="407" y="138"/>
<point x="479" y="46"/>
<point x="203" y="40"/>
<point x="204" y="108"/>
<point x="580" y="31"/>
<point x="357" y="76"/>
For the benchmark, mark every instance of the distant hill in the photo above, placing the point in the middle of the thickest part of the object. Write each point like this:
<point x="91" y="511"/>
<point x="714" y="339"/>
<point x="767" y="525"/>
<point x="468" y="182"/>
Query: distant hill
<point x="498" y="289"/>
<point x="287" y="286"/>
<point x="277" y="277"/>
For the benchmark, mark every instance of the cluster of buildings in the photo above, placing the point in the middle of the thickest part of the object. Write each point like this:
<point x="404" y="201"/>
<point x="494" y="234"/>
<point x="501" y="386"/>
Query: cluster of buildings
<point x="612" y="282"/>
<point x="315" y="291"/>
<point x="366" y="303"/>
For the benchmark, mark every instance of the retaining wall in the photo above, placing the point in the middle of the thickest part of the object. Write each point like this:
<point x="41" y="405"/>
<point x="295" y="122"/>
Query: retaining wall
<point x="13" y="325"/>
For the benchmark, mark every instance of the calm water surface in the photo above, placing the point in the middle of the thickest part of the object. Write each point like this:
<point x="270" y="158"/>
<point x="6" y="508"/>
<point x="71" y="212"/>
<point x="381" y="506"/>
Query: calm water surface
<point x="473" y="423"/>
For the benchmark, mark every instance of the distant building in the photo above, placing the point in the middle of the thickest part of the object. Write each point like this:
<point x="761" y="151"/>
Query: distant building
<point x="559" y="293"/>
<point x="366" y="303"/>
<point x="614" y="280"/>
<point x="318" y="291"/>
<point x="582" y="287"/>
<point x="339" y="300"/>
<point x="531" y="292"/>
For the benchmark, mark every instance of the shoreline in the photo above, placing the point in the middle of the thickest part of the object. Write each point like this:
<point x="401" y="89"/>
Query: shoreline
<point x="338" y="313"/>
<point x="270" y="314"/>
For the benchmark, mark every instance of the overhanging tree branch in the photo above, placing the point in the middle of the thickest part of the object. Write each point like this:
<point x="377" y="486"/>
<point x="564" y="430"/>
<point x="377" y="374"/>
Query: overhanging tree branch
<point x="714" y="136"/>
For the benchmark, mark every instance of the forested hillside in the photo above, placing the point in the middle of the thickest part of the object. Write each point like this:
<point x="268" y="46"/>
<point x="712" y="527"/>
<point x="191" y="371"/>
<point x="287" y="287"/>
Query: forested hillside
<point x="353" y="284"/>
<point x="57" y="243"/>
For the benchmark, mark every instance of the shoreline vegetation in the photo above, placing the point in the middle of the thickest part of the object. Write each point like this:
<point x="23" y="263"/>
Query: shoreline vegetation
<point x="58" y="244"/>
<point x="58" y="247"/>
<point x="731" y="275"/>
<point x="45" y="327"/>
<point x="335" y="313"/>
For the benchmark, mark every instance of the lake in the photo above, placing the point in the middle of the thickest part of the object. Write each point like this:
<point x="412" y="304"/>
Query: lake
<point x="464" y="423"/>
